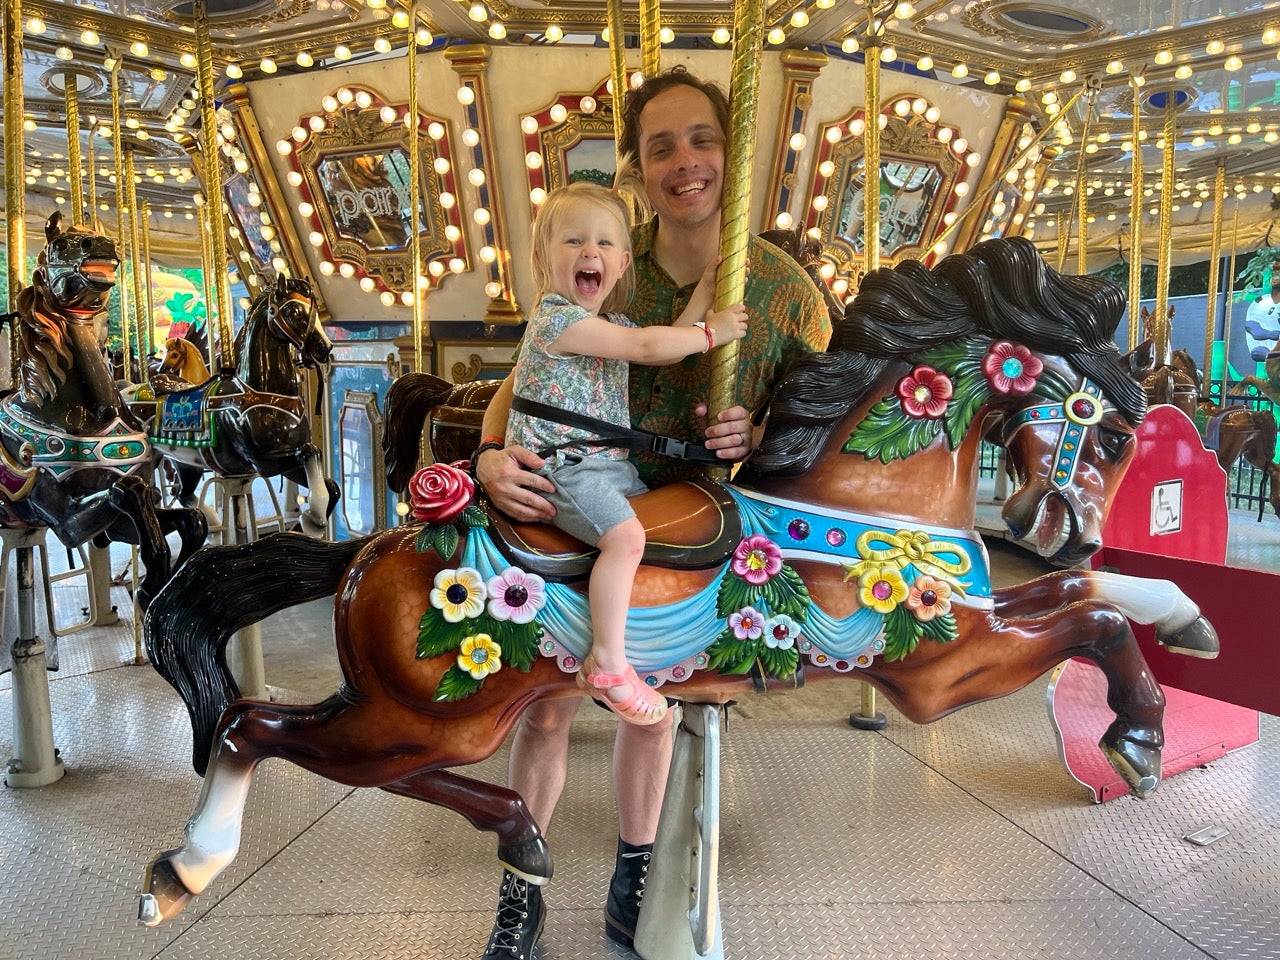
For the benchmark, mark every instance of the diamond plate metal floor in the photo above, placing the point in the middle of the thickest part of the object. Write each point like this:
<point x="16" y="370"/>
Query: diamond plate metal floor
<point x="964" y="839"/>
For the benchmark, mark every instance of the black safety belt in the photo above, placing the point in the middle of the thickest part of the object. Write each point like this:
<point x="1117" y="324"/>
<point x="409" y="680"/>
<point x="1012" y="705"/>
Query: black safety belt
<point x="608" y="434"/>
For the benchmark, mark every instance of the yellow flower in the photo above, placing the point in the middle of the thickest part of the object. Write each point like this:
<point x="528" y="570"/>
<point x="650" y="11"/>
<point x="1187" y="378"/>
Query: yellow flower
<point x="479" y="656"/>
<point x="459" y="594"/>
<point x="881" y="587"/>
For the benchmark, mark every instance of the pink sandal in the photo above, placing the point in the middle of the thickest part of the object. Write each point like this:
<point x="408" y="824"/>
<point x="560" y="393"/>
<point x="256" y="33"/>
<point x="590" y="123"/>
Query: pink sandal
<point x="643" y="707"/>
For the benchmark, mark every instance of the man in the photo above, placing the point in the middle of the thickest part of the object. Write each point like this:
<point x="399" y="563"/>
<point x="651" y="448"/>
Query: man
<point x="1262" y="320"/>
<point x="674" y="134"/>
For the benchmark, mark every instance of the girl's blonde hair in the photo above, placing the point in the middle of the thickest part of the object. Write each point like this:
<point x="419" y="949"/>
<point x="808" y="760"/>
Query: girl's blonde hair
<point x="561" y="199"/>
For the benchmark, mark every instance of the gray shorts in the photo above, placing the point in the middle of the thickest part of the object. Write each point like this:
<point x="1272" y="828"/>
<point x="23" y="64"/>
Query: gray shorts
<point x="591" y="495"/>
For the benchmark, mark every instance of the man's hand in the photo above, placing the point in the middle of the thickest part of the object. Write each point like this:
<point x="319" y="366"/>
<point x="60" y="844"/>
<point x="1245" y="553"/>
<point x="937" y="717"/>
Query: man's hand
<point x="731" y="436"/>
<point x="507" y="477"/>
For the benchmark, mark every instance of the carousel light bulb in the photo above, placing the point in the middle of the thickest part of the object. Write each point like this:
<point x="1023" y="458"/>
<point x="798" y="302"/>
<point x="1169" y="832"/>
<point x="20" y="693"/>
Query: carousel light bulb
<point x="476" y="177"/>
<point x="497" y="30"/>
<point x="1067" y="76"/>
<point x="820" y="202"/>
<point x="960" y="71"/>
<point x="267" y="65"/>
<point x="1115" y="66"/>
<point x="447" y="199"/>
<point x="992" y="78"/>
<point x="364" y="99"/>
<point x="902" y="107"/>
<point x="435" y="130"/>
<point x="36" y="26"/>
<point x="962" y="189"/>
<point x="424" y="37"/>
<point x="833" y="136"/>
<point x="478" y="12"/>
<point x="435" y="268"/>
<point x="452" y="233"/>
<point x="284" y="147"/>
<point x="888" y="54"/>
<point x="387" y="114"/>
<point x="305" y="208"/>
<point x="1214" y="47"/>
<point x="849" y="45"/>
<point x="919" y="105"/>
<point x="925" y="63"/>
<point x="1023" y="85"/>
<point x="400" y="19"/>
<point x="588" y="105"/>
<point x="558" y="112"/>
<point x="944" y="134"/>
<point x="537" y="196"/>
<point x="64" y="53"/>
<point x="554" y="33"/>
<point x="856" y="126"/>
<point x="382" y="45"/>
<point x="316" y="238"/>
<point x="139" y="49"/>
<point x="347" y="269"/>
<point x="90" y="38"/>
<point x="533" y="160"/>
<point x="466" y="95"/>
<point x="826" y="168"/>
<point x="933" y="114"/>
<point x="316" y="123"/>
<point x="1163" y="57"/>
<point x="1232" y="63"/>
<point x="797" y="142"/>
<point x="294" y="178"/>
<point x="326" y="268"/>
<point x="440" y="165"/>
<point x="493" y="290"/>
<point x="470" y="137"/>
<point x="233" y="71"/>
<point x="799" y="19"/>
<point x="783" y="221"/>
<point x="345" y="96"/>
<point x="488" y="254"/>
<point x="777" y="36"/>
<point x="666" y="35"/>
<point x="529" y="125"/>
<point x="720" y="35"/>
<point x="299" y="134"/>
<point x="387" y="297"/>
<point x="407" y="298"/>
<point x="304" y="59"/>
<point x="366" y="284"/>
<point x="241" y="165"/>
<point x="480" y="216"/>
<point x="604" y="35"/>
<point x="882" y="121"/>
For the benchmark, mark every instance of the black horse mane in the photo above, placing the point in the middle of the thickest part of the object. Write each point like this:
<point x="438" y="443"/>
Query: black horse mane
<point x="1001" y="288"/>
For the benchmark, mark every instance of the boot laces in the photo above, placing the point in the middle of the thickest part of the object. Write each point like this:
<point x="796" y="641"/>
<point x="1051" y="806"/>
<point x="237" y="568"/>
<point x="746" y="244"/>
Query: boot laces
<point x="513" y="911"/>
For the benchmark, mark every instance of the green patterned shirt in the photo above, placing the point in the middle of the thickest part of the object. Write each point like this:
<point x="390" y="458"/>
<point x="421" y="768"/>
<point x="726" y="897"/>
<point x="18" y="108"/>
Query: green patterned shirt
<point x="787" y="319"/>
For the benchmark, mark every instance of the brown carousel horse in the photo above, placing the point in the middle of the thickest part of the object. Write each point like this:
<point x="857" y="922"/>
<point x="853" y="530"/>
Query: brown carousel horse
<point x="72" y="458"/>
<point x="1231" y="432"/>
<point x="844" y="548"/>
<point x="252" y="420"/>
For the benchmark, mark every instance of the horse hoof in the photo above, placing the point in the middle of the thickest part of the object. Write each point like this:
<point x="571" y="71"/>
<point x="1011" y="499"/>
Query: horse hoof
<point x="1197" y="639"/>
<point x="164" y="896"/>
<point x="530" y="859"/>
<point x="1137" y="764"/>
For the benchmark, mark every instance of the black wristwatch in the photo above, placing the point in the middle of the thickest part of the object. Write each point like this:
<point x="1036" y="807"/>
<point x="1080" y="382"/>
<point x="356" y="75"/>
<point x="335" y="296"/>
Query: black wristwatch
<point x="475" y="456"/>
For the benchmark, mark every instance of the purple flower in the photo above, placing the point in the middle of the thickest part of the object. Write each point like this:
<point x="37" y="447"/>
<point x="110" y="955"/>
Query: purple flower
<point x="756" y="559"/>
<point x="747" y="623"/>
<point x="515" y="595"/>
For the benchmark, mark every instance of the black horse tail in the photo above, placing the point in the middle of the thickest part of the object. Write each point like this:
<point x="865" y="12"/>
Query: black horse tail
<point x="409" y="400"/>
<point x="222" y="590"/>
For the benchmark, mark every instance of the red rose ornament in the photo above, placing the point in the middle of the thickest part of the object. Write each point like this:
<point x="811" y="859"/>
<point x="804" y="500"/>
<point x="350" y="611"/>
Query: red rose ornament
<point x="439" y="493"/>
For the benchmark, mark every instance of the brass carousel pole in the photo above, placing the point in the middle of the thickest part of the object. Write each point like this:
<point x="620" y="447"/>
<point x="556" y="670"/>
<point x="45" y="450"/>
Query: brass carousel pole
<point x="1231" y="286"/>
<point x="206" y="273"/>
<point x="71" y="99"/>
<point x="142" y="319"/>
<point x="650" y="37"/>
<point x="618" y="63"/>
<point x="213" y="182"/>
<point x="1161" y="321"/>
<point x="1063" y="227"/>
<point x="1082" y="187"/>
<point x="122" y="212"/>
<point x="415" y="163"/>
<point x="93" y="175"/>
<point x="871" y="152"/>
<point x="1211" y="308"/>
<point x="148" y="288"/>
<point x="1136" y="177"/>
<point x="35" y="760"/>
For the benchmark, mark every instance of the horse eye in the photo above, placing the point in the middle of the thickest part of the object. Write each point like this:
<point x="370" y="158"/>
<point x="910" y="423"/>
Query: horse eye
<point x="1114" y="442"/>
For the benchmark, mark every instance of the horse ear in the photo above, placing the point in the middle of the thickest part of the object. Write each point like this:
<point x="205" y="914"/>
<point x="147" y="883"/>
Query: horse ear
<point x="281" y="288"/>
<point x="51" y="225"/>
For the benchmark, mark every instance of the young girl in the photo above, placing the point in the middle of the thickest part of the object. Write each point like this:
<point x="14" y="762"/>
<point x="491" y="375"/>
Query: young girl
<point x="575" y="358"/>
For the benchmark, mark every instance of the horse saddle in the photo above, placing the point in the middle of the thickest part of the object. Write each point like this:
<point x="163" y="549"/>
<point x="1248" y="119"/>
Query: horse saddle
<point x="183" y="417"/>
<point x="690" y="525"/>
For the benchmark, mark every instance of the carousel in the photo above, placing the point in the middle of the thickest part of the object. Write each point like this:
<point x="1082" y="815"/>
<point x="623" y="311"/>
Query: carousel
<point x="996" y="432"/>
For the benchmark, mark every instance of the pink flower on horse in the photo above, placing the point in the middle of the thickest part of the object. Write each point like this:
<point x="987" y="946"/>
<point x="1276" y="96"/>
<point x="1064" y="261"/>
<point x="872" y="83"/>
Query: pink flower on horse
<point x="929" y="598"/>
<point x="440" y="492"/>
<point x="756" y="559"/>
<point x="925" y="392"/>
<point x="515" y="595"/>
<point x="1011" y="368"/>
<point x="747" y="624"/>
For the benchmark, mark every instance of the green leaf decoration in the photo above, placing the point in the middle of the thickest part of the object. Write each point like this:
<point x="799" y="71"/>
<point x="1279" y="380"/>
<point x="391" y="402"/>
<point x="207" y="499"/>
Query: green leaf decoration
<point x="951" y="357"/>
<point x="970" y="392"/>
<point x="473" y="516"/>
<point x="1052" y="387"/>
<point x="426" y="539"/>
<point x="730" y="655"/>
<point x="901" y="633"/>
<point x="942" y="629"/>
<point x="780" y="664"/>
<point x="889" y="434"/>
<point x="446" y="540"/>
<point x="735" y="593"/>
<point x="436" y="635"/>
<point x="456" y="684"/>
<point x="787" y="594"/>
<point x="519" y="641"/>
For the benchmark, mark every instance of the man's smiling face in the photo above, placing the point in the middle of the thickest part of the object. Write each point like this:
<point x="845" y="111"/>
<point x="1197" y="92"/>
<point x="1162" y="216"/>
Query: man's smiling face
<point x="682" y="157"/>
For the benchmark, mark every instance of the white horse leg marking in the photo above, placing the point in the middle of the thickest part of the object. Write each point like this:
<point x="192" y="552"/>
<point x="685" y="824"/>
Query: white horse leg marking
<point x="317" y="511"/>
<point x="213" y="832"/>
<point x="1146" y="601"/>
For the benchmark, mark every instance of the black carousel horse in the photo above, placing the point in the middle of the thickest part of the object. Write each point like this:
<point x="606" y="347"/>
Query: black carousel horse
<point x="252" y="419"/>
<point x="72" y="457"/>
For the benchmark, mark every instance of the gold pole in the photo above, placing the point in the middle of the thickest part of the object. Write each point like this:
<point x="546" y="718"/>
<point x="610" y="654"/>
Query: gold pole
<point x="212" y="169"/>
<point x="148" y="287"/>
<point x="15" y="166"/>
<point x="93" y="178"/>
<point x="141" y="320"/>
<point x="415" y="163"/>
<point x="871" y="153"/>
<point x="735" y="230"/>
<point x="206" y="275"/>
<point x="122" y="216"/>
<point x="71" y="98"/>
<point x="1231" y="286"/>
<point x="1211" y="308"/>
<point x="1136" y="178"/>
<point x="1162" y="331"/>
<point x="1063" y="227"/>
<point x="650" y="37"/>
<point x="618" y="61"/>
<point x="1082" y="189"/>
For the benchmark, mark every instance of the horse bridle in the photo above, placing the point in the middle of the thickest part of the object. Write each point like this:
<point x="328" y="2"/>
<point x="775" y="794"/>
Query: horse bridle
<point x="275" y="316"/>
<point x="1078" y="412"/>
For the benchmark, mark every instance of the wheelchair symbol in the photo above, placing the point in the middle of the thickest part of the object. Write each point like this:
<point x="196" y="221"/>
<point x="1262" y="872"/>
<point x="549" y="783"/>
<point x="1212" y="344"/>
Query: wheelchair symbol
<point x="1166" y="508"/>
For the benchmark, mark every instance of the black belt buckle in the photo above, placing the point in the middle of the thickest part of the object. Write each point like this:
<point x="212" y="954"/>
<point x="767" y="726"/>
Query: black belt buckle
<point x="669" y="447"/>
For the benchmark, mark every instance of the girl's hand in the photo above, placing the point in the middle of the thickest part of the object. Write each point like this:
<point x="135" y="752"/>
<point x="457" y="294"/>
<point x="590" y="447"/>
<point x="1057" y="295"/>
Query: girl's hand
<point x="728" y="324"/>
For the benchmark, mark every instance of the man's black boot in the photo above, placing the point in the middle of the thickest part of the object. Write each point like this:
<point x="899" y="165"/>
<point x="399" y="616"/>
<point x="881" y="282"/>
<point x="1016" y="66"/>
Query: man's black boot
<point x="626" y="890"/>
<point x="519" y="922"/>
